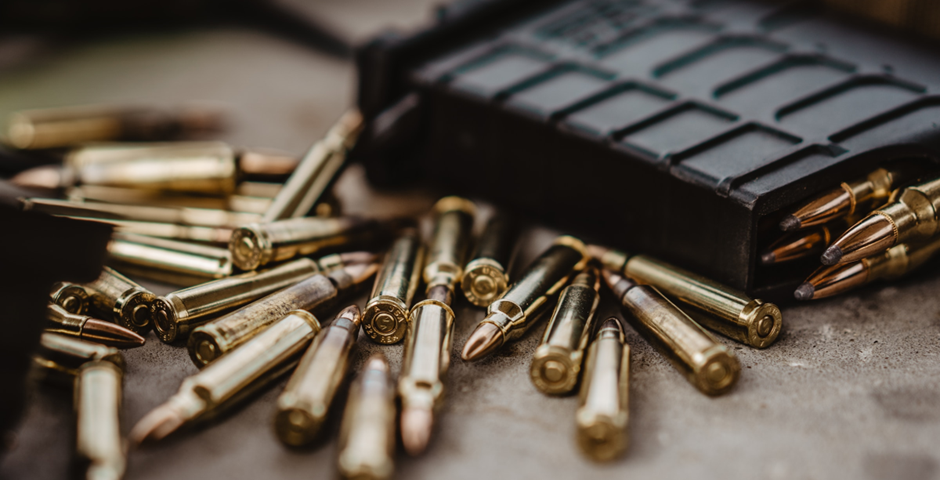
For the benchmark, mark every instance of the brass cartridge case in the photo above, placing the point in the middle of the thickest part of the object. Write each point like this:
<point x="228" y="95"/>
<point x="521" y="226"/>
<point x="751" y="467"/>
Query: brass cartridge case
<point x="171" y="261"/>
<point x="386" y="314"/>
<point x="255" y="245"/>
<point x="72" y="298"/>
<point x="217" y="236"/>
<point x="519" y="308"/>
<point x="222" y="384"/>
<point x="178" y="313"/>
<point x="199" y="217"/>
<point x="250" y="202"/>
<point x="367" y="434"/>
<point x="426" y="355"/>
<point x="316" y="171"/>
<point x="303" y="407"/>
<point x="59" y="357"/>
<point x="220" y="336"/>
<point x="603" y="404"/>
<point x="718" y="307"/>
<point x="450" y="241"/>
<point x="123" y="299"/>
<point x="556" y="363"/>
<point x="99" y="446"/>
<point x="708" y="365"/>
<point x="64" y="127"/>
<point x="486" y="276"/>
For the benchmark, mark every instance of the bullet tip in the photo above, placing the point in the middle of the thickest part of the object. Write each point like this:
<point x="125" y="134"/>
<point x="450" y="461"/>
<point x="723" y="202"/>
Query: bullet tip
<point x="790" y="223"/>
<point x="804" y="292"/>
<point x="107" y="333"/>
<point x="351" y="313"/>
<point x="416" y="425"/>
<point x="832" y="255"/>
<point x="484" y="340"/>
<point x="768" y="259"/>
<point x="155" y="426"/>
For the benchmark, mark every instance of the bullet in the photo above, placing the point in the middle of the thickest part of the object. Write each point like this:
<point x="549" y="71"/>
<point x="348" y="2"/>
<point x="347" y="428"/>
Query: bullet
<point x="99" y="447"/>
<point x="256" y="245"/>
<point x="603" y="406"/>
<point x="556" y="363"/>
<point x="893" y="263"/>
<point x="250" y="202"/>
<point x="453" y="224"/>
<point x="222" y="335"/>
<point x="862" y="194"/>
<point x="65" y="127"/>
<point x="367" y="434"/>
<point x="178" y="313"/>
<point x="486" y="276"/>
<point x="912" y="215"/>
<point x="121" y="298"/>
<point x="303" y="407"/>
<point x="217" y="236"/>
<point x="199" y="217"/>
<point x="90" y="329"/>
<point x="233" y="377"/>
<point x="708" y="365"/>
<point x="799" y="245"/>
<point x="386" y="314"/>
<point x="518" y="309"/>
<point x="317" y="171"/>
<point x="72" y="298"/>
<point x="59" y="357"/>
<point x="170" y="261"/>
<point x="718" y="307"/>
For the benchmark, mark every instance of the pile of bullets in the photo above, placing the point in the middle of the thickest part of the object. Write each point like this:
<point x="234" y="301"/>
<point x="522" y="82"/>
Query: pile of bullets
<point x="879" y="227"/>
<point x="247" y="312"/>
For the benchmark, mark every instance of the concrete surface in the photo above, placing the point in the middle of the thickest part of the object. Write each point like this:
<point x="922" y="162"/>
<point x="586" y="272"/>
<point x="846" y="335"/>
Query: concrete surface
<point x="850" y="390"/>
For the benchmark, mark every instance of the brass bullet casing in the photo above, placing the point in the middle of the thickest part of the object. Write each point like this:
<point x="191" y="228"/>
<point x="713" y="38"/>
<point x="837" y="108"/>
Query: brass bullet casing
<point x="718" y="307"/>
<point x="556" y="363"/>
<point x="64" y="127"/>
<point x="91" y="329"/>
<point x="249" y="202"/>
<point x="858" y="195"/>
<point x="59" y="357"/>
<point x="486" y="276"/>
<point x="708" y="365"/>
<point x="171" y="261"/>
<point x="367" y="434"/>
<point x="123" y="299"/>
<point x="603" y="406"/>
<point x="256" y="245"/>
<point x="72" y="298"/>
<point x="99" y="446"/>
<point x="218" y="236"/>
<point x="199" y="217"/>
<point x="317" y="171"/>
<point x="220" y="336"/>
<point x="386" y="314"/>
<point x="510" y="316"/>
<point x="449" y="242"/>
<point x="259" y="361"/>
<point x="176" y="314"/>
<point x="303" y="407"/>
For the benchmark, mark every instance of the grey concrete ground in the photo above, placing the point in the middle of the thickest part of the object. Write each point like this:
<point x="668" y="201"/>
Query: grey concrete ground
<point x="850" y="390"/>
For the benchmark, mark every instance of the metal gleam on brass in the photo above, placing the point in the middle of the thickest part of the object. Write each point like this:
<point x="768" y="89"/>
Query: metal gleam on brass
<point x="450" y="241"/>
<point x="718" y="307"/>
<point x="239" y="202"/>
<point x="386" y="314"/>
<point x="59" y="357"/>
<point x="233" y="377"/>
<point x="486" y="276"/>
<point x="91" y="329"/>
<point x="122" y="298"/>
<point x="202" y="217"/>
<point x="70" y="297"/>
<point x="303" y="407"/>
<point x="205" y="167"/>
<point x="171" y="261"/>
<point x="255" y="245"/>
<point x="213" y="339"/>
<point x="316" y="171"/>
<point x="367" y="435"/>
<point x="556" y="363"/>
<point x="98" y="444"/>
<point x="603" y="406"/>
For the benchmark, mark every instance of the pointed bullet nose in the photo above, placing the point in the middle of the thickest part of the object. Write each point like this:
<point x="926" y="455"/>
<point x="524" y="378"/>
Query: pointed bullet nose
<point x="482" y="342"/>
<point x="107" y="333"/>
<point x="804" y="292"/>
<point x="790" y="223"/>
<point x="768" y="259"/>
<point x="155" y="426"/>
<point x="351" y="313"/>
<point x="416" y="426"/>
<point x="831" y="256"/>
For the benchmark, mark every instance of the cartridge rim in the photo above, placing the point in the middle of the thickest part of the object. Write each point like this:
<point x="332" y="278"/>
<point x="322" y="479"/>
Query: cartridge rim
<point x="165" y="319"/>
<point x="718" y="372"/>
<point x="249" y="246"/>
<point x="72" y="298"/>
<point x="764" y="322"/>
<point x="483" y="281"/>
<point x="295" y="426"/>
<point x="553" y="370"/>
<point x="385" y="320"/>
<point x="203" y="346"/>
<point x="133" y="311"/>
<point x="600" y="437"/>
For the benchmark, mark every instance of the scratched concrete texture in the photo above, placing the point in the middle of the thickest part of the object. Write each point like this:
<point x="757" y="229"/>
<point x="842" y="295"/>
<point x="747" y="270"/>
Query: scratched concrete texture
<point x="850" y="390"/>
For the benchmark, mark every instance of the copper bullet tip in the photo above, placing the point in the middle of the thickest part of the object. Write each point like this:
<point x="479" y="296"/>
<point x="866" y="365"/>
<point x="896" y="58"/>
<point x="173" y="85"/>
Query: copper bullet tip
<point x="416" y="426"/>
<point x="871" y="236"/>
<point x="351" y="313"/>
<point x="804" y="292"/>
<point x="107" y="333"/>
<point x="768" y="259"/>
<point x="790" y="223"/>
<point x="612" y="324"/>
<point x="831" y="256"/>
<point x="482" y="342"/>
<point x="155" y="426"/>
